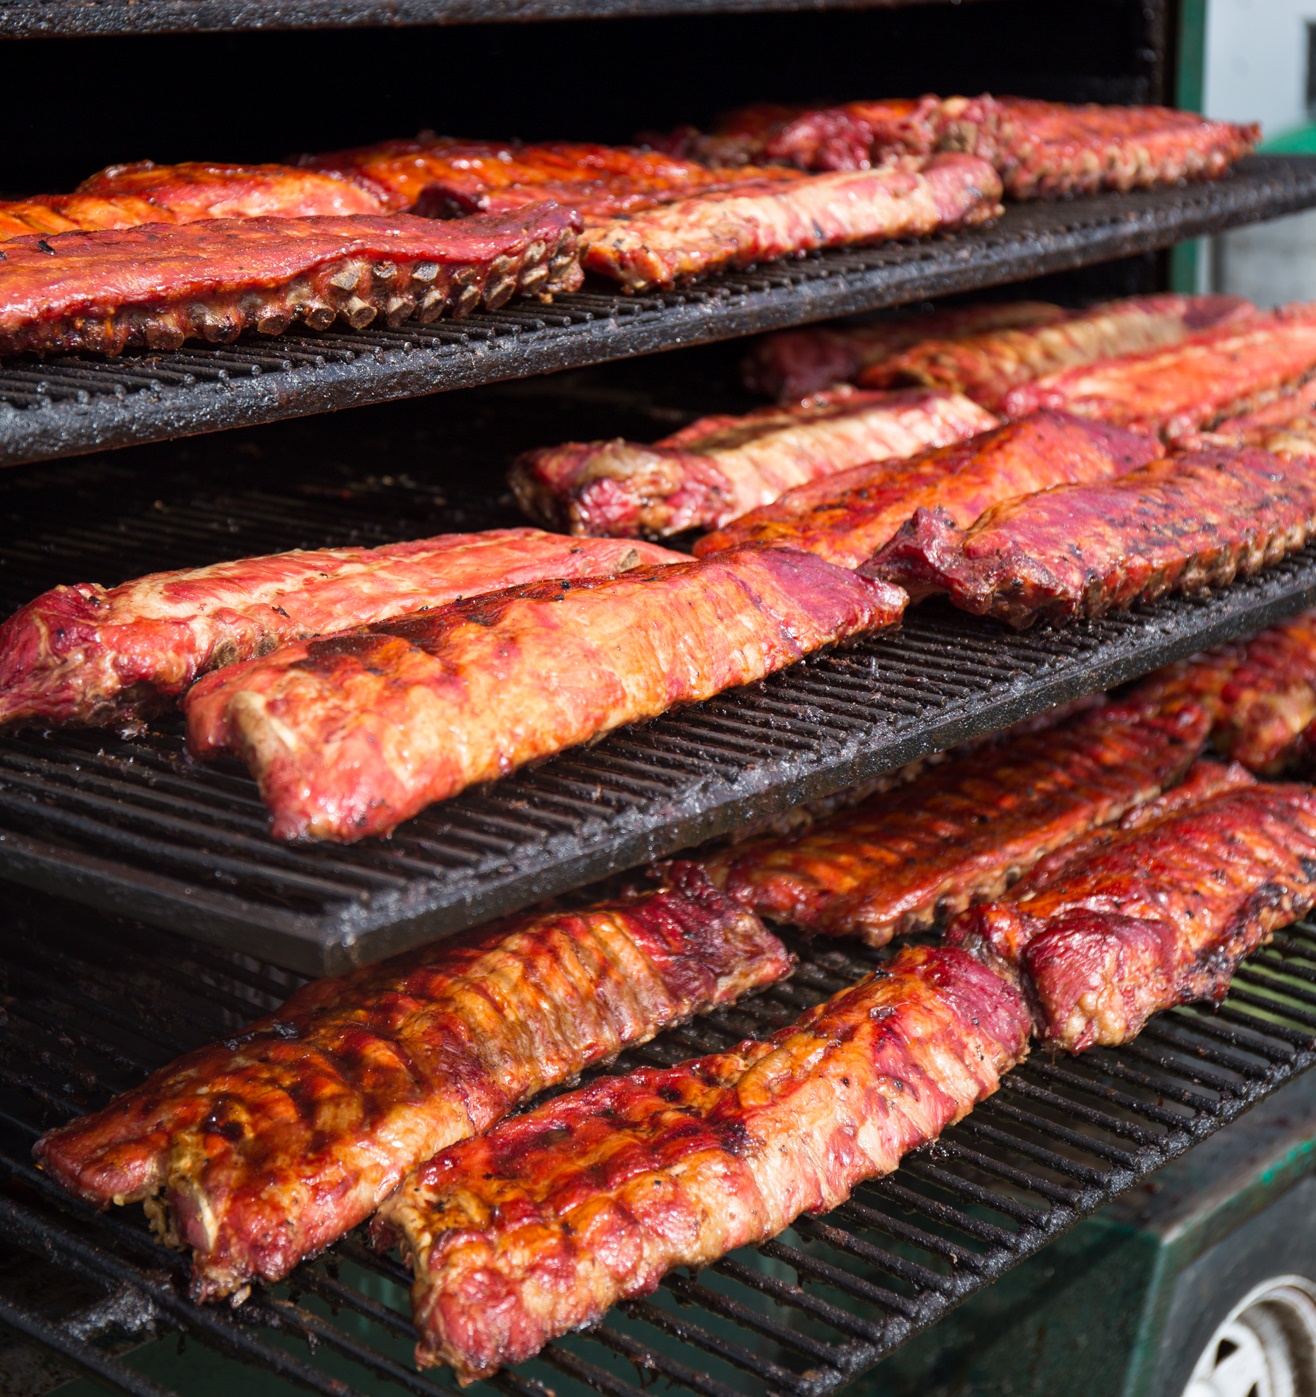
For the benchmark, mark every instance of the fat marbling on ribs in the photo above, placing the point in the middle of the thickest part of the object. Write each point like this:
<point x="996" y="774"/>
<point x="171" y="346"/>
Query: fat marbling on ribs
<point x="963" y="831"/>
<point x="1158" y="916"/>
<point x="1181" y="524"/>
<point x="352" y="734"/>
<point x="541" y="1225"/>
<point x="260" y="1151"/>
<point x="110" y="656"/>
<point x="718" y="467"/>
<point x="846" y="517"/>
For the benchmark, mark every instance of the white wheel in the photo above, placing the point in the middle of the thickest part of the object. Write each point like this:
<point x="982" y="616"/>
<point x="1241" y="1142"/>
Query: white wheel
<point x="1265" y="1347"/>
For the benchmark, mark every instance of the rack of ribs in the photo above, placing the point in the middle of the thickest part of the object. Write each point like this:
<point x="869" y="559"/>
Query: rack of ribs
<point x="964" y="831"/>
<point x="679" y="242"/>
<point x="792" y="364"/>
<point x="1041" y="149"/>
<point x="352" y="734"/>
<point x="539" y="1226"/>
<point x="1157" y="916"/>
<point x="1179" y="389"/>
<point x="1182" y="524"/>
<point x="125" y="196"/>
<point x="443" y="177"/>
<point x="111" y="656"/>
<point x="988" y="365"/>
<point x="1260" y="693"/>
<point x="849" y="136"/>
<point x="847" y="517"/>
<point x="718" y="467"/>
<point x="159" y="284"/>
<point x="1053" y="149"/>
<point x="260" y="1151"/>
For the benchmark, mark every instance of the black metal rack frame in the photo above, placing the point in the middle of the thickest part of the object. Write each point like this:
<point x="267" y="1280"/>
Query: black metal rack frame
<point x="92" y="1006"/>
<point x="77" y="403"/>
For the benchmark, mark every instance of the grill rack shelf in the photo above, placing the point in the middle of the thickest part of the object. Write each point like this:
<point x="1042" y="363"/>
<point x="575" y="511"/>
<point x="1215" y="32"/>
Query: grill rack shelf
<point x="33" y="19"/>
<point x="799" y="1316"/>
<point x="74" y="404"/>
<point x="138" y="828"/>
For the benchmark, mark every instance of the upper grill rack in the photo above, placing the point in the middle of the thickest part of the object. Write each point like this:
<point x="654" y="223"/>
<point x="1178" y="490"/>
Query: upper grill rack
<point x="77" y="403"/>
<point x="91" y="1008"/>
<point x="136" y="827"/>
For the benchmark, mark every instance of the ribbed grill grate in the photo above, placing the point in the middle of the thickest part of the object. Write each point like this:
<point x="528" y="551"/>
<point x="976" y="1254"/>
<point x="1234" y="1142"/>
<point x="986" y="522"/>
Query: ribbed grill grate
<point x="76" y="404"/>
<point x="91" y="1006"/>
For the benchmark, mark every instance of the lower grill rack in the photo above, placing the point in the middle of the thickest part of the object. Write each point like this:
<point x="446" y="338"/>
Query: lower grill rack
<point x="91" y="1006"/>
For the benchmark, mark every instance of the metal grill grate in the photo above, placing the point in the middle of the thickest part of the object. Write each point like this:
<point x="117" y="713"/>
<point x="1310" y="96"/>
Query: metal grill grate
<point x="91" y="1006"/>
<point x="137" y="827"/>
<point x="75" y="404"/>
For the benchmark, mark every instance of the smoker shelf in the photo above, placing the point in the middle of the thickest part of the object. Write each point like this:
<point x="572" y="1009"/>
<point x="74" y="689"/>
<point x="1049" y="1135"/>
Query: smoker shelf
<point x="32" y="19"/>
<point x="77" y="403"/>
<point x="137" y="827"/>
<point x="92" y="1006"/>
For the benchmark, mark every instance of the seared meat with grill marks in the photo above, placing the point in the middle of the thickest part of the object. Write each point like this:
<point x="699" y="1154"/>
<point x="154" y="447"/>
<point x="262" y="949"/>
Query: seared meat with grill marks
<point x="792" y="364"/>
<point x="442" y="177"/>
<point x="539" y="1226"/>
<point x="158" y="285"/>
<point x="845" y="518"/>
<point x="109" y="656"/>
<point x="259" y="1151"/>
<point x="718" y="467"/>
<point x="1184" y="387"/>
<point x="1260" y="692"/>
<point x="850" y="136"/>
<point x="987" y="366"/>
<point x="679" y="242"/>
<point x="1050" y="149"/>
<point x="350" y="735"/>
<point x="1181" y="524"/>
<point x="1159" y="916"/>
<point x="125" y="196"/>
<point x="964" y="831"/>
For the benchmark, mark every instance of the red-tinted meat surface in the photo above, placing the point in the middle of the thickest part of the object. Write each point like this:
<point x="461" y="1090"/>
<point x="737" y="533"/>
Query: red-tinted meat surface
<point x="350" y="735"/>
<point x="108" y="656"/>
<point x="258" y="1152"/>
<point x="541" y="1225"/>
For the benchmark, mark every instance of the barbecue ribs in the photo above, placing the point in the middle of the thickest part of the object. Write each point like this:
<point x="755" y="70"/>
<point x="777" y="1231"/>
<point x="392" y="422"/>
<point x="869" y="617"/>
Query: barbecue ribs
<point x="442" y="177"/>
<point x="792" y="364"/>
<point x="845" y="518"/>
<point x="1159" y="916"/>
<point x="1260" y="692"/>
<point x="717" y="468"/>
<point x="964" y="831"/>
<point x="1179" y="389"/>
<point x="541" y="1225"/>
<point x="679" y="242"/>
<point x="109" y="656"/>
<point x="159" y="285"/>
<point x="258" y="1152"/>
<point x="986" y="366"/>
<point x="1182" y="524"/>
<point x="352" y="734"/>
<point x="125" y="196"/>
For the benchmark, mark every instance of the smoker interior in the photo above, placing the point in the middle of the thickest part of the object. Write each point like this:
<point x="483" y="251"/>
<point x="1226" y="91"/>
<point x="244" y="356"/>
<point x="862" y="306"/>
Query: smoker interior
<point x="90" y="1002"/>
<point x="93" y="1004"/>
<point x="135" y="826"/>
<point x="74" y="403"/>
